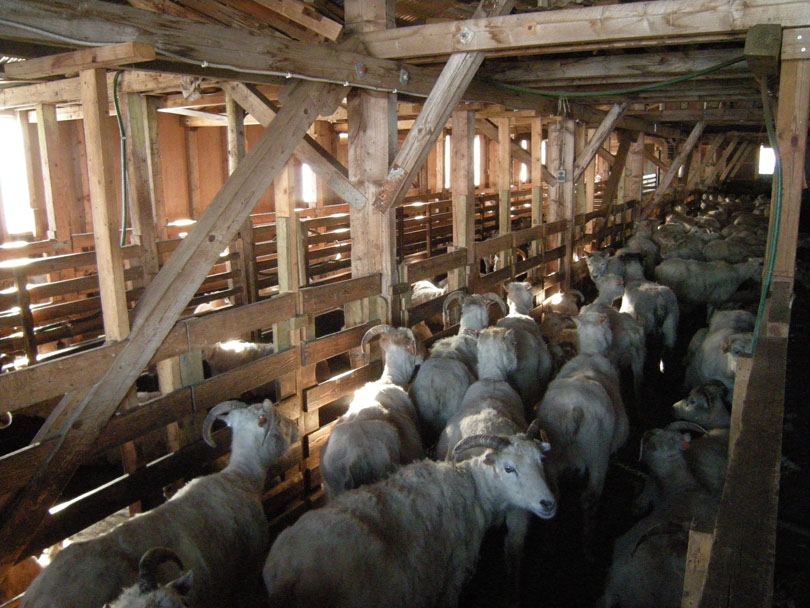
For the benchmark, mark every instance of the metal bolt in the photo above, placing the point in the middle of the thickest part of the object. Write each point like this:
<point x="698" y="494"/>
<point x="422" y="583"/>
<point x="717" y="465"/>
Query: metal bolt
<point x="360" y="69"/>
<point x="404" y="77"/>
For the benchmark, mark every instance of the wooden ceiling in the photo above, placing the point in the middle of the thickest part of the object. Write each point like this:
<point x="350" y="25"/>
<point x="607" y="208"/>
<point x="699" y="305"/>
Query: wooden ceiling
<point x="590" y="52"/>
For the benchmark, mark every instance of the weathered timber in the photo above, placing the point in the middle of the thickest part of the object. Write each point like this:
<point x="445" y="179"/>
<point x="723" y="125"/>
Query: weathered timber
<point x="602" y="133"/>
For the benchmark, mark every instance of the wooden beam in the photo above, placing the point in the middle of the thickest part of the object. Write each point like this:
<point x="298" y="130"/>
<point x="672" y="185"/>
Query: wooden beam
<point x="669" y="177"/>
<point x="463" y="188"/>
<point x="634" y="169"/>
<point x="524" y="156"/>
<point x="560" y="155"/>
<point x="141" y="198"/>
<point x="504" y="179"/>
<point x="735" y="161"/>
<point x="455" y="77"/>
<point x="306" y="15"/>
<point x="161" y="305"/>
<point x="56" y="175"/>
<point x="650" y="156"/>
<point x="696" y="175"/>
<point x="76" y="61"/>
<point x="714" y="173"/>
<point x="104" y="203"/>
<point x="606" y="156"/>
<point x="599" y="137"/>
<point x="666" y="22"/>
<point x="309" y="151"/>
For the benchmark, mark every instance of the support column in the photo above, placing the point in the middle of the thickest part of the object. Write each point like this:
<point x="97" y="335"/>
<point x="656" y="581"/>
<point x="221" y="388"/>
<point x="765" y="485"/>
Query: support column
<point x="504" y="183"/>
<point x="103" y="201"/>
<point x="58" y="181"/>
<point x="324" y="134"/>
<point x="373" y="142"/>
<point x="581" y="140"/>
<point x="537" y="183"/>
<point x="560" y="150"/>
<point x="634" y="170"/>
<point x="463" y="189"/>
<point x="33" y="170"/>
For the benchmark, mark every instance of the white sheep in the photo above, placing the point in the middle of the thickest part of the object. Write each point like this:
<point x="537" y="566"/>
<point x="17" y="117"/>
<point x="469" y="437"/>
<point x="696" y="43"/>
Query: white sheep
<point x="215" y="524"/>
<point x="146" y="593"/>
<point x="738" y="320"/>
<point x="649" y="560"/>
<point x="641" y="243"/>
<point x="717" y="357"/>
<point x="567" y="303"/>
<point x="583" y="412"/>
<point x="225" y="356"/>
<point x="412" y="539"/>
<point x="654" y="306"/>
<point x="628" y="348"/>
<point x="421" y="292"/>
<point x="380" y="430"/>
<point x="440" y="384"/>
<point x="710" y="283"/>
<point x="600" y="263"/>
<point x="534" y="363"/>
<point x="491" y="406"/>
<point x="705" y="405"/>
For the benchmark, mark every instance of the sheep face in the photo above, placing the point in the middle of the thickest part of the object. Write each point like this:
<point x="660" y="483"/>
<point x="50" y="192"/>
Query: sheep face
<point x="597" y="263"/>
<point x="517" y="470"/>
<point x="270" y="433"/>
<point x="659" y="447"/>
<point x="736" y="345"/>
<point x="402" y="341"/>
<point x="171" y="595"/>
<point x="705" y="406"/>
<point x="520" y="295"/>
<point x="593" y="332"/>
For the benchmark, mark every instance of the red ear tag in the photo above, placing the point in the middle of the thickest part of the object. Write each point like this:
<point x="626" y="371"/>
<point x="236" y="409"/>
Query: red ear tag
<point x="685" y="445"/>
<point x="412" y="349"/>
<point x="262" y="420"/>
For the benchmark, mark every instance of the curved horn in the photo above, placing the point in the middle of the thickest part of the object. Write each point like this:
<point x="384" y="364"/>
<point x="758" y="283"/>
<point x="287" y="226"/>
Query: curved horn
<point x="577" y="293"/>
<point x="519" y="253"/>
<point x="151" y="560"/>
<point x="5" y="420"/>
<point x="374" y="331"/>
<point x="495" y="442"/>
<point x="494" y="297"/>
<point x="452" y="297"/>
<point x="414" y="343"/>
<point x="217" y="411"/>
<point x="533" y="432"/>
<point x="685" y="425"/>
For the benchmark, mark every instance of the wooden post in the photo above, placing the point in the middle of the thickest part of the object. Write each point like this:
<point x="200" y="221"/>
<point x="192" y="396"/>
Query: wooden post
<point x="560" y="151"/>
<point x="734" y="162"/>
<point x="634" y="169"/>
<point x="580" y="141"/>
<point x="103" y="201"/>
<point x="140" y="185"/>
<point x="24" y="304"/>
<point x="537" y="183"/>
<point x="590" y="181"/>
<point x="325" y="135"/>
<point x="713" y="178"/>
<point x="504" y="184"/>
<point x="372" y="144"/>
<point x="463" y="195"/>
<point x="243" y="244"/>
<point x="155" y="168"/>
<point x="33" y="171"/>
<point x="58" y="181"/>
<point x="668" y="178"/>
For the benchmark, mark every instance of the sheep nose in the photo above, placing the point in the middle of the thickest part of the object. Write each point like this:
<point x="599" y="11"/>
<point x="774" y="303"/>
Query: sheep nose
<point x="548" y="505"/>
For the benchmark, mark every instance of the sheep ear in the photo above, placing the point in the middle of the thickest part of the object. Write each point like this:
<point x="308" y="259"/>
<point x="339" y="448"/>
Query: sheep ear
<point x="183" y="583"/>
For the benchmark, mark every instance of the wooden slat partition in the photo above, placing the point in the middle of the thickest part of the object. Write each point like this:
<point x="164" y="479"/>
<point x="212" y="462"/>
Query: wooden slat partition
<point x="334" y="389"/>
<point x="317" y="300"/>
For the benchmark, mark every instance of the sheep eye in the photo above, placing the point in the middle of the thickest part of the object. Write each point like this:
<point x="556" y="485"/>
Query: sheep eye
<point x="508" y="468"/>
<point x="262" y="420"/>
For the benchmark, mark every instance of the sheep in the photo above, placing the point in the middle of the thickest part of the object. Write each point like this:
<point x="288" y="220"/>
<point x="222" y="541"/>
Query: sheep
<point x="628" y="348"/>
<point x="421" y="292"/>
<point x="442" y="380"/>
<point x="567" y="303"/>
<point x="732" y="250"/>
<point x="716" y="359"/>
<point x="216" y="524"/>
<point x="534" y="360"/>
<point x="600" y="263"/>
<point x="710" y="283"/>
<point x="380" y="430"/>
<point x="211" y="306"/>
<point x="649" y="560"/>
<point x="491" y="406"/>
<point x="705" y="405"/>
<point x="225" y="356"/>
<point x="641" y="242"/>
<point x="654" y="306"/>
<point x="739" y="320"/>
<point x="412" y="539"/>
<point x="583" y="412"/>
<point x="146" y="593"/>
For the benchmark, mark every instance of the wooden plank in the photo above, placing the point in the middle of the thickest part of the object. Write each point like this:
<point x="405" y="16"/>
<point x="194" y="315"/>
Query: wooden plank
<point x="672" y="172"/>
<point x="713" y="177"/>
<point x="162" y="303"/>
<point x="306" y="15"/>
<point x="103" y="203"/>
<point x="334" y="389"/>
<point x="456" y="75"/>
<point x="317" y="300"/>
<point x="463" y="189"/>
<point x="59" y="189"/>
<point x="319" y="349"/>
<point x="634" y="169"/>
<point x="309" y="151"/>
<point x="666" y="22"/>
<point x="77" y="61"/>
<point x="740" y="570"/>
<point x="429" y="268"/>
<point x="602" y="133"/>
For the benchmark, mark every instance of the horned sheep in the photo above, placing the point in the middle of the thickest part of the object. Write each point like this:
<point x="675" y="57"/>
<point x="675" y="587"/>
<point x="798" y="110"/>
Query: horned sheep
<point x="146" y="593"/>
<point x="380" y="430"/>
<point x="412" y="539"/>
<point x="215" y="524"/>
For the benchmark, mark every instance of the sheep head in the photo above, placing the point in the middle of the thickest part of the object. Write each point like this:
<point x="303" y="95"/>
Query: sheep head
<point x="512" y="470"/>
<point x="519" y="294"/>
<point x="593" y="332"/>
<point x="260" y="426"/>
<point x="146" y="593"/>
<point x="705" y="405"/>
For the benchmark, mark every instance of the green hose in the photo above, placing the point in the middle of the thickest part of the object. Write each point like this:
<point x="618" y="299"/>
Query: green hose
<point x="124" y="182"/>
<point x="776" y="210"/>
